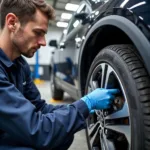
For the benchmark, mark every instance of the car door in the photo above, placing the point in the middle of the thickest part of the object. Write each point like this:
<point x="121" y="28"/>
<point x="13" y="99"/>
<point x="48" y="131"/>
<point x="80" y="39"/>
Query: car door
<point x="70" y="51"/>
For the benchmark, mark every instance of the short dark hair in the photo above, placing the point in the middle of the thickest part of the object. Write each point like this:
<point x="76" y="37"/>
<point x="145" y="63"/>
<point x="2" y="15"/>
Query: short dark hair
<point x="24" y="9"/>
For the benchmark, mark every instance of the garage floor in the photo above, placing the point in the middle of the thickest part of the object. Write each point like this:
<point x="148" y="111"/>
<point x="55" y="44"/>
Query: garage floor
<point x="80" y="139"/>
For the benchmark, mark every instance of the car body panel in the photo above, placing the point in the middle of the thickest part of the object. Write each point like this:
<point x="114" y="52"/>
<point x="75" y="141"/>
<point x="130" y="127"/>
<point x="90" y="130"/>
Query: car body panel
<point x="137" y="37"/>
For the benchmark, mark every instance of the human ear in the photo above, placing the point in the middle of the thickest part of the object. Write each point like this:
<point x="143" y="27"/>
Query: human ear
<point x="11" y="21"/>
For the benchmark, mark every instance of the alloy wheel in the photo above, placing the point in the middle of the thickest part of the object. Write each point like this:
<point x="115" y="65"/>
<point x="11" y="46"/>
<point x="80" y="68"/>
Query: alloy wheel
<point x="109" y="129"/>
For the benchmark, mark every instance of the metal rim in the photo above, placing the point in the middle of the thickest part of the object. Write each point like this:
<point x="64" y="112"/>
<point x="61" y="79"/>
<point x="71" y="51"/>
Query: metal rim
<point x="109" y="129"/>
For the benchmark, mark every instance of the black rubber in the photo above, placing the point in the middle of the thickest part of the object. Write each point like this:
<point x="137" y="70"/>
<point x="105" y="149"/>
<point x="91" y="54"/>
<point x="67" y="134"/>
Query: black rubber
<point x="57" y="93"/>
<point x="136" y="82"/>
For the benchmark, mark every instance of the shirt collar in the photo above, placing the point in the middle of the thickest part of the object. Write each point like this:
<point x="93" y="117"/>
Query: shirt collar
<point x="5" y="60"/>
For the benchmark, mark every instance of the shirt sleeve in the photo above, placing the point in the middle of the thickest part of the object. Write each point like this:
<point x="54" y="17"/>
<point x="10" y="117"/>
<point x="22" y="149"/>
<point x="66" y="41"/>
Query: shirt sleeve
<point x="20" y="120"/>
<point x="33" y="95"/>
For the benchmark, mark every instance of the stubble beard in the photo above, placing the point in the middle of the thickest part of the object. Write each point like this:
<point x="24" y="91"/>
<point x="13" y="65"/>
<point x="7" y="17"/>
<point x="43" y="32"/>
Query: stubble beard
<point x="20" y="43"/>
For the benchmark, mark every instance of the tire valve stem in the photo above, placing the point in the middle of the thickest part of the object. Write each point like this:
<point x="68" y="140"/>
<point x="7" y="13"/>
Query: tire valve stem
<point x="116" y="103"/>
<point x="117" y="100"/>
<point x="114" y="107"/>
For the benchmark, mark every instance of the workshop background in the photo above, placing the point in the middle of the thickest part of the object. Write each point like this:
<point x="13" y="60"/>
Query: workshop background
<point x="40" y="63"/>
<point x="63" y="12"/>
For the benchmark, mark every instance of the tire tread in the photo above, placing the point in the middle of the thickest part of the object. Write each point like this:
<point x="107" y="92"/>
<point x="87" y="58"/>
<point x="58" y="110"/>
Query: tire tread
<point x="140" y="75"/>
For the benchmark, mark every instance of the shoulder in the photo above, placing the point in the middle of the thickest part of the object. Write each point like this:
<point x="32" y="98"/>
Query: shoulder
<point x="3" y="70"/>
<point x="4" y="74"/>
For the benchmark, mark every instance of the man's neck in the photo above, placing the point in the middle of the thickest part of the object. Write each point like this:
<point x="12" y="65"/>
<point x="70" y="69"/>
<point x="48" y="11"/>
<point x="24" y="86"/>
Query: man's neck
<point x="7" y="46"/>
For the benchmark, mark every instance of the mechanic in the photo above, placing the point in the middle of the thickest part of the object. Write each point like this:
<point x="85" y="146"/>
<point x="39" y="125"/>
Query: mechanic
<point x="26" y="121"/>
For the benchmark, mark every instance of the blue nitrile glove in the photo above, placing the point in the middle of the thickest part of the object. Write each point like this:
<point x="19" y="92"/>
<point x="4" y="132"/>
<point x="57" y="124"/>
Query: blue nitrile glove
<point x="100" y="98"/>
<point x="92" y="111"/>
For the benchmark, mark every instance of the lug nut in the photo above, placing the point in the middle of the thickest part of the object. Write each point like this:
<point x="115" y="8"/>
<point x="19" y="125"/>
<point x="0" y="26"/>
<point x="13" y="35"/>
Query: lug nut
<point x="117" y="100"/>
<point x="114" y="107"/>
<point x="105" y="113"/>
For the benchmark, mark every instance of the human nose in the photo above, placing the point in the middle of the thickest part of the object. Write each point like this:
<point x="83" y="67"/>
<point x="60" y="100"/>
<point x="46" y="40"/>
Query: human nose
<point x="42" y="41"/>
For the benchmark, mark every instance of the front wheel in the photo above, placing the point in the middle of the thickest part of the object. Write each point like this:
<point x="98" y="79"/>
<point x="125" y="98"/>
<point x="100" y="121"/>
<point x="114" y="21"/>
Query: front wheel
<point x="126" y="125"/>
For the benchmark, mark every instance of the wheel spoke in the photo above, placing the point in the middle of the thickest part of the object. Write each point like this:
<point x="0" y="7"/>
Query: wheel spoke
<point x="93" y="84"/>
<point x="93" y="138"/>
<point x="93" y="131"/>
<point x="89" y="89"/>
<point x="124" y="112"/>
<point x="124" y="129"/>
<point x="93" y="128"/>
<point x="108" y="73"/>
<point x="103" y="71"/>
<point x="102" y="141"/>
<point x="107" y="143"/>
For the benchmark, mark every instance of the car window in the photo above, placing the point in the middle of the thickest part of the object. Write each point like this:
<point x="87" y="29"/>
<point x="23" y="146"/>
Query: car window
<point x="96" y="3"/>
<point x="75" y="22"/>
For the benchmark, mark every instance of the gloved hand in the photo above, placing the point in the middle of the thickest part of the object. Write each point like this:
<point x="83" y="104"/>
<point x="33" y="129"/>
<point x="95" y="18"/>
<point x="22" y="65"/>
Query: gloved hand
<point x="100" y="98"/>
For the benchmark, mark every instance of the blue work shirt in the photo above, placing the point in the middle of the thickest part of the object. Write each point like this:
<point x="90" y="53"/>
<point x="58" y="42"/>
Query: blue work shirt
<point x="25" y="119"/>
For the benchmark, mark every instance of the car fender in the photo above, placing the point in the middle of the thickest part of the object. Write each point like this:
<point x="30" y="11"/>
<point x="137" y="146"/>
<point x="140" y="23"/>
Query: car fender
<point x="132" y="31"/>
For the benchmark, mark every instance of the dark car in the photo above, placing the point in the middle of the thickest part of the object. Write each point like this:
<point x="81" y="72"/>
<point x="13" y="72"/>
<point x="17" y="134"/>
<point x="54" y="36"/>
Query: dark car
<point x="107" y="45"/>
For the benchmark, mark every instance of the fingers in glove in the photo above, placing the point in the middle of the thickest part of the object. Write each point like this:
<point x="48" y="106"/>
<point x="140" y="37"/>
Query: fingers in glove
<point x="107" y="106"/>
<point x="92" y="111"/>
<point x="112" y="97"/>
<point x="113" y="91"/>
<point x="109" y="102"/>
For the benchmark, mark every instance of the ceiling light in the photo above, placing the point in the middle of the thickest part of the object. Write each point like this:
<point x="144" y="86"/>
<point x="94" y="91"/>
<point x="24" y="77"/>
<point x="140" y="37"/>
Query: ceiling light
<point x="65" y="31"/>
<point x="62" y="24"/>
<point x="124" y="3"/>
<point x="66" y="16"/>
<point x="71" y="7"/>
<point x="81" y="8"/>
<point x="76" y="23"/>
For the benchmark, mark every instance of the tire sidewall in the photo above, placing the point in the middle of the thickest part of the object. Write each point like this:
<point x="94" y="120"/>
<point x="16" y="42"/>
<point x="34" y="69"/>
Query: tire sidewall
<point x="133" y="98"/>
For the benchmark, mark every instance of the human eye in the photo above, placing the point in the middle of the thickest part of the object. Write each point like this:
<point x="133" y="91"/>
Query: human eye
<point x="38" y="33"/>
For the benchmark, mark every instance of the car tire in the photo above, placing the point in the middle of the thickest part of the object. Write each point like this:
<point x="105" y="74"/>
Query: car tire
<point x="56" y="93"/>
<point x="126" y="125"/>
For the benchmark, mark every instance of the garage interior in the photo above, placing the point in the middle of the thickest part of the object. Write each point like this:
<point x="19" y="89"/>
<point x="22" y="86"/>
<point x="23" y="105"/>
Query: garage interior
<point x="55" y="31"/>
<point x="40" y="69"/>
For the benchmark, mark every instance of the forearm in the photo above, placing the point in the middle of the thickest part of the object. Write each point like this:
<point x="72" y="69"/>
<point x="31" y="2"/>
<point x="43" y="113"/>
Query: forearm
<point x="46" y="128"/>
<point x="49" y="108"/>
<point x="31" y="128"/>
<point x="33" y="95"/>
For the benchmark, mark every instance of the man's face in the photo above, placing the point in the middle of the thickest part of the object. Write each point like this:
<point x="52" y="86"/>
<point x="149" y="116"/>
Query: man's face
<point x="28" y="38"/>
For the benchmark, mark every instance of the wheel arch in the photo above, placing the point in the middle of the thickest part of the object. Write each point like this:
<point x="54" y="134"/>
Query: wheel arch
<point x="107" y="31"/>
